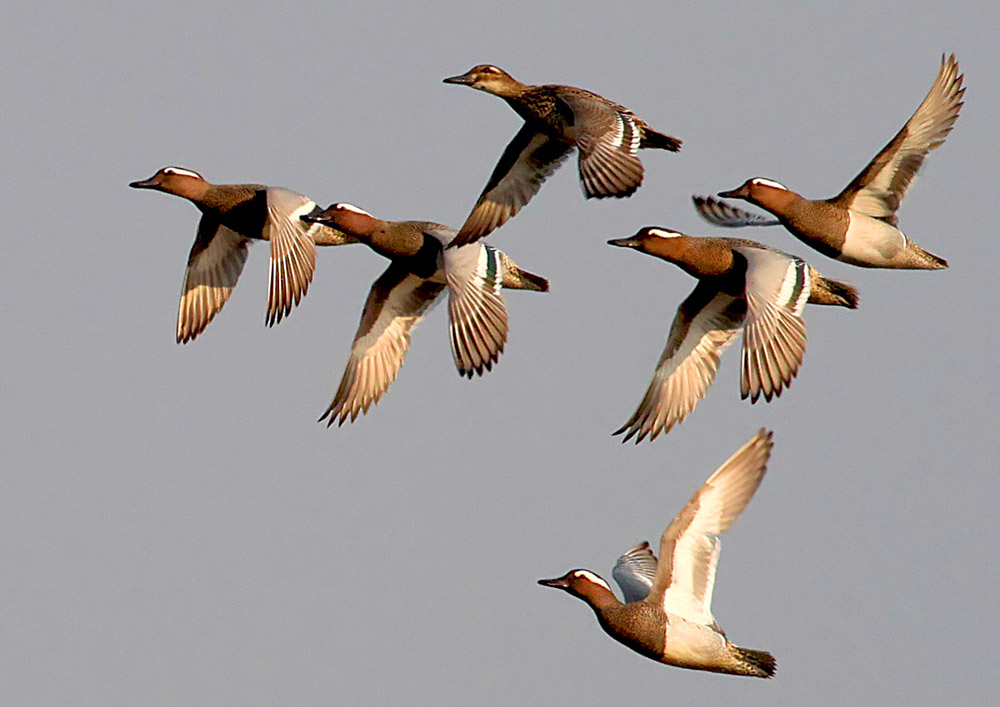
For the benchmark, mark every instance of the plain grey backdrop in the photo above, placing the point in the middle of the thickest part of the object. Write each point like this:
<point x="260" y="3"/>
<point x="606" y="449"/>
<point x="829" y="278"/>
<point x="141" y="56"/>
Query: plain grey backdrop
<point x="176" y="528"/>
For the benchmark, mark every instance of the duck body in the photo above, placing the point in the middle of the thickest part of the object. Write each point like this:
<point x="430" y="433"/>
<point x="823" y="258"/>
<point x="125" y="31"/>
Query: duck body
<point x="666" y="615"/>
<point x="836" y="231"/>
<point x="742" y="286"/>
<point x="234" y="215"/>
<point x="557" y="119"/>
<point x="859" y="226"/>
<point x="420" y="270"/>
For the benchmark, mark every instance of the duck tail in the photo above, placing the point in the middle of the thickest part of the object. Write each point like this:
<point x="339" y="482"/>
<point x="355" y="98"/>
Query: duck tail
<point x="514" y="278"/>
<point x="834" y="292"/>
<point x="760" y="664"/>
<point x="929" y="260"/>
<point x="653" y="139"/>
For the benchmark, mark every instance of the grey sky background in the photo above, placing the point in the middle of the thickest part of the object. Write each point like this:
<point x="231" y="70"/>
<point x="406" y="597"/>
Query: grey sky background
<point x="175" y="527"/>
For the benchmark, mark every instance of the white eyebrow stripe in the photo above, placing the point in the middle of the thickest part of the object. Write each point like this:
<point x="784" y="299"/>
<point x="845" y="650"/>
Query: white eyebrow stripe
<point x="664" y="233"/>
<point x="593" y="578"/>
<point x="182" y="171"/>
<point x="351" y="207"/>
<point x="768" y="183"/>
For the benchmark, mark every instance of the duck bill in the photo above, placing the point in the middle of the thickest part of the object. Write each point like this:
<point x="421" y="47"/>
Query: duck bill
<point x="624" y="242"/>
<point x="145" y="184"/>
<point x="739" y="193"/>
<point x="461" y="79"/>
<point x="558" y="583"/>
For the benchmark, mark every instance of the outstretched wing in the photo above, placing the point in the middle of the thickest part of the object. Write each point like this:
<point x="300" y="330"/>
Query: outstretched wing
<point x="634" y="572"/>
<point x="396" y="303"/>
<point x="526" y="163"/>
<point x="608" y="138"/>
<point x="881" y="186"/>
<point x="705" y="324"/>
<point x="214" y="266"/>
<point x="722" y="213"/>
<point x="293" y="252"/>
<point x="689" y="547"/>
<point x="774" y="337"/>
<point x="476" y="311"/>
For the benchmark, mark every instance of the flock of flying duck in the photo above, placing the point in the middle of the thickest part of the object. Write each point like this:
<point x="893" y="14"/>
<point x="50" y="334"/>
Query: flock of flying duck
<point x="742" y="285"/>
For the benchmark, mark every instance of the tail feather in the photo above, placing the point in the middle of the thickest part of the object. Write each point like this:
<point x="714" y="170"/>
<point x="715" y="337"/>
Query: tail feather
<point x="514" y="278"/>
<point x="933" y="261"/>
<point x="760" y="664"/>
<point x="843" y="295"/>
<point x="653" y="139"/>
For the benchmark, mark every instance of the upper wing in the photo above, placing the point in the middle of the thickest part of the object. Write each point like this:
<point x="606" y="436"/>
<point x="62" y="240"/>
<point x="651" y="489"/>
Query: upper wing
<point x="722" y="213"/>
<point x="527" y="161"/>
<point x="881" y="186"/>
<point x="476" y="311"/>
<point x="689" y="547"/>
<point x="608" y="138"/>
<point x="705" y="324"/>
<point x="214" y="265"/>
<point x="634" y="572"/>
<point x="396" y="303"/>
<point x="293" y="252"/>
<point x="774" y="338"/>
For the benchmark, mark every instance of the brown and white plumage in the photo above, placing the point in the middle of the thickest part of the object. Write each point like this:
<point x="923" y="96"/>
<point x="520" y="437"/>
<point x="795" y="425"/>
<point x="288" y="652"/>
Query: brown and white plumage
<point x="667" y="614"/>
<point x="233" y="216"/>
<point x="880" y="187"/>
<point x="705" y="325"/>
<point x="859" y="226"/>
<point x="421" y="270"/>
<point x="214" y="266"/>
<point x="689" y="547"/>
<point x="396" y="303"/>
<point x="557" y="119"/>
<point x="742" y="285"/>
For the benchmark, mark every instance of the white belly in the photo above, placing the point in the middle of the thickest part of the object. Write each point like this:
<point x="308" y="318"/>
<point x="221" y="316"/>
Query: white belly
<point x="870" y="242"/>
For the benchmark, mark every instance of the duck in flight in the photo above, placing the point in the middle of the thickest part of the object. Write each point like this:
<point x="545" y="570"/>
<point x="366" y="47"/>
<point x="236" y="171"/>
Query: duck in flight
<point x="557" y="119"/>
<point x="232" y="217"/>
<point x="667" y="612"/>
<point x="858" y="226"/>
<point x="421" y="268"/>
<point x="742" y="286"/>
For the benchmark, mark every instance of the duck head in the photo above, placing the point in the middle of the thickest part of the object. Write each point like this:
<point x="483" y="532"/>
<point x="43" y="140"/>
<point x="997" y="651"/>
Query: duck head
<point x="173" y="180"/>
<point x="486" y="77"/>
<point x="758" y="190"/>
<point x="585" y="585"/>
<point x="654" y="240"/>
<point x="345" y="217"/>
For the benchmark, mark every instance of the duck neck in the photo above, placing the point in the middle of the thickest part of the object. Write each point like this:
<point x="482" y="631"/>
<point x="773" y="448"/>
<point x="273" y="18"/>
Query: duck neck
<point x="777" y="201"/>
<point x="698" y="257"/>
<point x="599" y="598"/>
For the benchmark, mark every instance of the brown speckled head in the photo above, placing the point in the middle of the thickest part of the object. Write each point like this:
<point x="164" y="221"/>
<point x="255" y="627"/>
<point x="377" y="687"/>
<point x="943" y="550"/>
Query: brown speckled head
<point x="487" y="77"/>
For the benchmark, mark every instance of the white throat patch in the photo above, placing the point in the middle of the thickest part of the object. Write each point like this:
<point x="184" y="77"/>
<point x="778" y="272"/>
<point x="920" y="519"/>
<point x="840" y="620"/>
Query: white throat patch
<point x="768" y="183"/>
